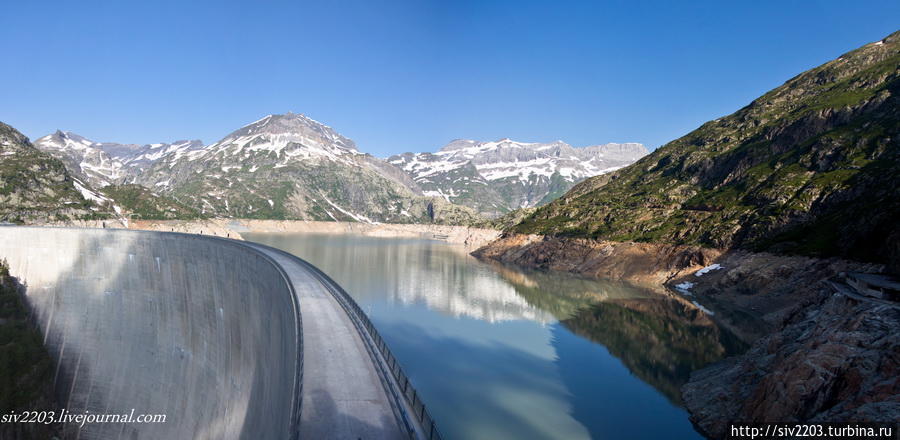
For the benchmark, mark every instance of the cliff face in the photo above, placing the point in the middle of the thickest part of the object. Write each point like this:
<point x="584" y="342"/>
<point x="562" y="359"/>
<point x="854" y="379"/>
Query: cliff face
<point x="791" y="173"/>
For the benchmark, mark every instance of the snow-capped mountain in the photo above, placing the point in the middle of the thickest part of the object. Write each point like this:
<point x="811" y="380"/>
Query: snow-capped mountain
<point x="496" y="177"/>
<point x="291" y="166"/>
<point x="102" y="164"/>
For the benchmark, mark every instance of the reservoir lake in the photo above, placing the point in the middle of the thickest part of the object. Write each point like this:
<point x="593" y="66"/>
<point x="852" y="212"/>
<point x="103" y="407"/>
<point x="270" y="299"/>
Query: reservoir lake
<point x="500" y="352"/>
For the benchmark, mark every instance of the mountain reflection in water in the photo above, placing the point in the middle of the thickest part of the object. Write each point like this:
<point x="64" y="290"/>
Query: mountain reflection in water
<point x="501" y="352"/>
<point x="661" y="338"/>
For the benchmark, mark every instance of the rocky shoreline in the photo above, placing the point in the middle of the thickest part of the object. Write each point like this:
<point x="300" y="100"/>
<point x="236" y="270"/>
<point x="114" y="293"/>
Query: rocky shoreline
<point x="639" y="263"/>
<point x="837" y="360"/>
<point x="814" y="355"/>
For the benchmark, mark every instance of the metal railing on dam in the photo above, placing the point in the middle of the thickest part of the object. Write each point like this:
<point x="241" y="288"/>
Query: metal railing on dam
<point x="205" y="331"/>
<point x="421" y="414"/>
<point x="420" y="424"/>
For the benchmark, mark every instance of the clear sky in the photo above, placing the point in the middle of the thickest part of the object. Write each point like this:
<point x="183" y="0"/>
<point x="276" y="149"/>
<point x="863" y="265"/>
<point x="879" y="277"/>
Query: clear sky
<point x="412" y="75"/>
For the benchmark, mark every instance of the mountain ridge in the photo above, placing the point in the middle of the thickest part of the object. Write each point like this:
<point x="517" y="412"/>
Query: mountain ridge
<point x="280" y="166"/>
<point x="290" y="166"/>
<point x="106" y="163"/>
<point x="500" y="176"/>
<point x="786" y="173"/>
<point x="36" y="187"/>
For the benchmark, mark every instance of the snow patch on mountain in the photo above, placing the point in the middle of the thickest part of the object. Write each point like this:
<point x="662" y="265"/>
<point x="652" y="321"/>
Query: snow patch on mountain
<point x="521" y="174"/>
<point x="104" y="163"/>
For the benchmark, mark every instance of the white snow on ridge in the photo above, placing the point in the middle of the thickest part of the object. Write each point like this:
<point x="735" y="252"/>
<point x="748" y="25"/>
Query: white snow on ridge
<point x="507" y="158"/>
<point x="88" y="194"/>
<point x="260" y="122"/>
<point x="684" y="287"/>
<point x="357" y="217"/>
<point x="289" y="146"/>
<point x="476" y="148"/>
<point x="708" y="269"/>
<point x="703" y="309"/>
<point x="98" y="198"/>
<point x="440" y="193"/>
<point x="419" y="168"/>
<point x="169" y="150"/>
<point x="544" y="166"/>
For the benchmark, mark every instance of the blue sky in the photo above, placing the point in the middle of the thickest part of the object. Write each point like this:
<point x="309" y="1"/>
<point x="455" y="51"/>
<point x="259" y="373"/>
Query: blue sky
<point x="412" y="75"/>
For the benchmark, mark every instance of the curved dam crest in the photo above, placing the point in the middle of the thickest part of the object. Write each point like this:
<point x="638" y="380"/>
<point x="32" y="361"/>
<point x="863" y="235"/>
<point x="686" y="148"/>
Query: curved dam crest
<point x="205" y="331"/>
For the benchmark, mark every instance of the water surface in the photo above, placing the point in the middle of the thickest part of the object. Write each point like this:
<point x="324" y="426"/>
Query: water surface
<point x="503" y="353"/>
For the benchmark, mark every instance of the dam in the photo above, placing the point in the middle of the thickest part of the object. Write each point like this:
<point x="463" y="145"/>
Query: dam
<point x="228" y="339"/>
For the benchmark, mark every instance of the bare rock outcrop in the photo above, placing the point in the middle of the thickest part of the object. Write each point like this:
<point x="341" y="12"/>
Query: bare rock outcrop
<point x="838" y="362"/>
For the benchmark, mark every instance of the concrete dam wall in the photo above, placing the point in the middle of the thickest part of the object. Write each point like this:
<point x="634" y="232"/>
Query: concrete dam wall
<point x="203" y="330"/>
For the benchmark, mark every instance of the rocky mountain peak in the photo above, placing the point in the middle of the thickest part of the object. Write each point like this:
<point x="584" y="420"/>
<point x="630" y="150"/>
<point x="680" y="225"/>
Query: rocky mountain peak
<point x="458" y="144"/>
<point x="277" y="132"/>
<point x="63" y="140"/>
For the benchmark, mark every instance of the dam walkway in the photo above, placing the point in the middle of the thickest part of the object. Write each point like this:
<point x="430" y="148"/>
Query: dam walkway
<point x="345" y="394"/>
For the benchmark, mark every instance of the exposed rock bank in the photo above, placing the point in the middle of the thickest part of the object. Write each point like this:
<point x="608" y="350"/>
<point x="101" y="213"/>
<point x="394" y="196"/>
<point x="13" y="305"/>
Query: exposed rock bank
<point x="816" y="357"/>
<point x="838" y="362"/>
<point x="640" y="263"/>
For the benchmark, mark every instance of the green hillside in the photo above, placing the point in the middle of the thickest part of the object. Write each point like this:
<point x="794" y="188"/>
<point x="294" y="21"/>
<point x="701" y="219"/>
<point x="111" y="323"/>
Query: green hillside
<point x="143" y="204"/>
<point x="812" y="167"/>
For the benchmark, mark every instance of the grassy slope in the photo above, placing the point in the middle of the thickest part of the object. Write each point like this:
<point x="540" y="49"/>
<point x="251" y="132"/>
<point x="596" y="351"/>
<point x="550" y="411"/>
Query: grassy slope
<point x="143" y="204"/>
<point x="808" y="168"/>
